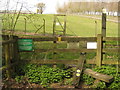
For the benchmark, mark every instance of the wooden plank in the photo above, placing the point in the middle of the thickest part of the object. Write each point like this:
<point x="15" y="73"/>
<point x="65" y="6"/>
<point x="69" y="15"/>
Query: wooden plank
<point x="110" y="62"/>
<point x="112" y="50"/>
<point x="76" y="77"/>
<point x="63" y="62"/>
<point x="99" y="76"/>
<point x="7" y="41"/>
<point x="52" y="61"/>
<point x="3" y="68"/>
<point x="75" y="38"/>
<point x="111" y="38"/>
<point x="99" y="50"/>
<point x="62" y="50"/>
<point x="103" y="62"/>
<point x="63" y="38"/>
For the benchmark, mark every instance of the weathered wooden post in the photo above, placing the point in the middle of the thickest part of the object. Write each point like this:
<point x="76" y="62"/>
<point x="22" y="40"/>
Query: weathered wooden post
<point x="54" y="24"/>
<point x="76" y="77"/>
<point x="54" y="53"/>
<point x="16" y="51"/>
<point x="64" y="31"/>
<point x="104" y="23"/>
<point x="44" y="26"/>
<point x="99" y="50"/>
<point x="11" y="48"/>
<point x="104" y="27"/>
<point x="7" y="57"/>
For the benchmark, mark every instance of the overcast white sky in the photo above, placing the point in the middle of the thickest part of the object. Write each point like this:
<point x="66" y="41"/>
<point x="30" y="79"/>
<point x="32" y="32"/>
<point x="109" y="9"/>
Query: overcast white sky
<point x="51" y="5"/>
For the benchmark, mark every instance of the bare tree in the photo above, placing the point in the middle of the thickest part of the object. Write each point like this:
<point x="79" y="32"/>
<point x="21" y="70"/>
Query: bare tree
<point x="40" y="7"/>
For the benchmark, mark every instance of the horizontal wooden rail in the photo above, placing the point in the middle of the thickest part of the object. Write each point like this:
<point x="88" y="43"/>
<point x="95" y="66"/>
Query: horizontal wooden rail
<point x="110" y="62"/>
<point x="111" y="50"/>
<point x="111" y="38"/>
<point x="7" y="67"/>
<point x="103" y="62"/>
<point x="67" y="38"/>
<point x="60" y="62"/>
<point x="70" y="61"/>
<point x="62" y="50"/>
<point x="52" y="61"/>
<point x="7" y="42"/>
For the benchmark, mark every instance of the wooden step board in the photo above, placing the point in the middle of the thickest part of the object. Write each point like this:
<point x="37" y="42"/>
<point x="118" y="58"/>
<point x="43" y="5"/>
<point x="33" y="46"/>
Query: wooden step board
<point x="77" y="74"/>
<point x="99" y="76"/>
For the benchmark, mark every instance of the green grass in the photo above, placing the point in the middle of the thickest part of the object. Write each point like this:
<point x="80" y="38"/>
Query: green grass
<point x="76" y="25"/>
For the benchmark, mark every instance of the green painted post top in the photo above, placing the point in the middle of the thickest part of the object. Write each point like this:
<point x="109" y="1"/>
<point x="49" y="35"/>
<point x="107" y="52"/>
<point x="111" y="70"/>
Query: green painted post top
<point x="25" y="44"/>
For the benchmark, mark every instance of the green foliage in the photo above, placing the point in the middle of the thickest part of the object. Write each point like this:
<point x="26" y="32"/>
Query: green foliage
<point x="116" y="83"/>
<point x="99" y="85"/>
<point x="109" y="70"/>
<point x="68" y="81"/>
<point x="44" y="74"/>
<point x="19" y="78"/>
<point x="87" y="79"/>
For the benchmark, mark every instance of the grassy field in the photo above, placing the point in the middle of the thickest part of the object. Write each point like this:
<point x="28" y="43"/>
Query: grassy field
<point x="76" y="25"/>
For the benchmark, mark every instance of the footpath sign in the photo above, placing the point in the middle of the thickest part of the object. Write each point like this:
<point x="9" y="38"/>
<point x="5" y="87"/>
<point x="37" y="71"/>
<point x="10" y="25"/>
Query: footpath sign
<point x="25" y="44"/>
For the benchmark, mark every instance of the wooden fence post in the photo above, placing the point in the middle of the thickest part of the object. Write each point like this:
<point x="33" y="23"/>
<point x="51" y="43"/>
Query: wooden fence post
<point x="54" y="24"/>
<point x="7" y="57"/>
<point x="55" y="53"/>
<point x="16" y="51"/>
<point x="11" y="48"/>
<point x="44" y="26"/>
<point x="64" y="32"/>
<point x="99" y="50"/>
<point x="104" y="24"/>
<point x="76" y="77"/>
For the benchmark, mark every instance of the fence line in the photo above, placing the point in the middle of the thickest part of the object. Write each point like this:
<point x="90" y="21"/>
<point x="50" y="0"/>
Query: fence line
<point x="12" y="53"/>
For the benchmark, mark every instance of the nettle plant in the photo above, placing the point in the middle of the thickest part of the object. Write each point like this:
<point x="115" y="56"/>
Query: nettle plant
<point x="45" y="75"/>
